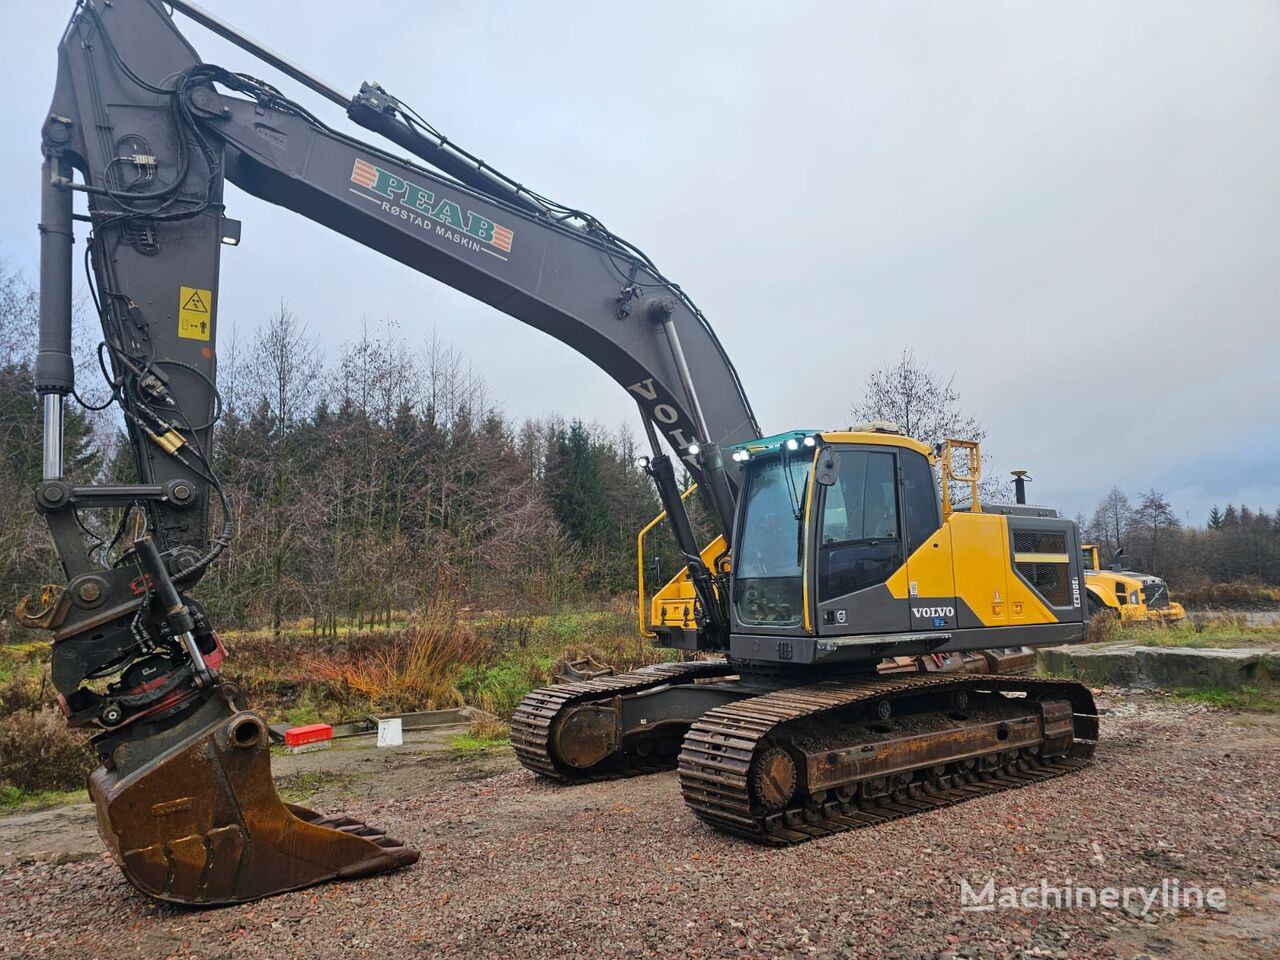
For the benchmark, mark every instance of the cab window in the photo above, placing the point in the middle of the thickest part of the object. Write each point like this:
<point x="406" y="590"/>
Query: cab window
<point x="920" y="498"/>
<point x="860" y="543"/>
<point x="767" y="562"/>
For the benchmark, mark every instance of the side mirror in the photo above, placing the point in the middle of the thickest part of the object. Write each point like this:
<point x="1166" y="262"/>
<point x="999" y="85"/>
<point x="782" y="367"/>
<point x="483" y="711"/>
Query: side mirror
<point x="828" y="469"/>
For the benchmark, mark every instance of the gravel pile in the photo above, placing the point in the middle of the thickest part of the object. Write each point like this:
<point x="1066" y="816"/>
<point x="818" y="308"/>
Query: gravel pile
<point x="512" y="867"/>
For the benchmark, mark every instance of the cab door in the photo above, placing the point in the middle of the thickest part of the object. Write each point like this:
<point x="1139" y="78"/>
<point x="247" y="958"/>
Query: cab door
<point x="931" y="586"/>
<point x="860" y="544"/>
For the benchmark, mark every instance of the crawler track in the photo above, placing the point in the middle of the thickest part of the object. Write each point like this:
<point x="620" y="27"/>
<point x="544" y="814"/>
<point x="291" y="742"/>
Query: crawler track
<point x="534" y="720"/>
<point x="722" y="749"/>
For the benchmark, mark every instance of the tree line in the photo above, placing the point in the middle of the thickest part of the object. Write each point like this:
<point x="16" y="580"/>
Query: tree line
<point x="1236" y="544"/>
<point x="366" y="485"/>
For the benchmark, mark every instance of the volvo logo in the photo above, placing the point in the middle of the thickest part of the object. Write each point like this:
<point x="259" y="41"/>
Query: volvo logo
<point x="934" y="611"/>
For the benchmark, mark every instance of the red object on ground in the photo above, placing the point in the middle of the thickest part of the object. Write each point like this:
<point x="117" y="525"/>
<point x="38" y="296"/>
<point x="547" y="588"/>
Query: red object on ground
<point x="312" y="733"/>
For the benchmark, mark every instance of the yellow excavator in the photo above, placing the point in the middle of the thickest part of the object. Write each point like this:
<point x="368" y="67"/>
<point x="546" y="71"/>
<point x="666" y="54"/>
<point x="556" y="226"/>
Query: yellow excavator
<point x="835" y="551"/>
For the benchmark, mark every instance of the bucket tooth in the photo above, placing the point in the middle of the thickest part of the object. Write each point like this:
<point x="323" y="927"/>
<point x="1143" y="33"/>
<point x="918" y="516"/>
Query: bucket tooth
<point x="201" y="823"/>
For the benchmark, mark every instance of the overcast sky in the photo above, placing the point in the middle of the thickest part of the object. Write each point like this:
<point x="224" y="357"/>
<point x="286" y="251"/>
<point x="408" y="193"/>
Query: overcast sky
<point x="1073" y="207"/>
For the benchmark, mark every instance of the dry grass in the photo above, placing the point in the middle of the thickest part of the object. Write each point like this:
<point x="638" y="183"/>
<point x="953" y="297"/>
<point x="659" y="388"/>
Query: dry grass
<point x="1104" y="627"/>
<point x="1198" y="630"/>
<point x="443" y="657"/>
<point x="39" y="752"/>
<point x="1206" y="630"/>
<point x="1244" y="593"/>
<point x="489" y="728"/>
<point x="417" y="668"/>
<point x="24" y="692"/>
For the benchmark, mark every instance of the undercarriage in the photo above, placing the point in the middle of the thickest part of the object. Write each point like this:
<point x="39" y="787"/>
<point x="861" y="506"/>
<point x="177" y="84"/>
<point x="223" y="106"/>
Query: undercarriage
<point x="781" y="757"/>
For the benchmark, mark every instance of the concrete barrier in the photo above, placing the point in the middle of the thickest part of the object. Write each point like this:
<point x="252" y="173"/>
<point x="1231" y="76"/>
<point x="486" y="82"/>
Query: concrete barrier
<point x="1127" y="665"/>
<point x="1102" y="667"/>
<point x="1270" y="665"/>
<point x="1181" y="667"/>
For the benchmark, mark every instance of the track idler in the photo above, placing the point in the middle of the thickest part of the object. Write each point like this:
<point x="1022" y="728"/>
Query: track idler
<point x="201" y="823"/>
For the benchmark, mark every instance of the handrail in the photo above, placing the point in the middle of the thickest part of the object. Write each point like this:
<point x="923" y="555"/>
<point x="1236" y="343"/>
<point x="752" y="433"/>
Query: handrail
<point x="949" y="474"/>
<point x="644" y="624"/>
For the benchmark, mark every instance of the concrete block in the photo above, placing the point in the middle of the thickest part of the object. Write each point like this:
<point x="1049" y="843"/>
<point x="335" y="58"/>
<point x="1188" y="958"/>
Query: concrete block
<point x="1055" y="660"/>
<point x="1164" y="668"/>
<point x="1104" y="666"/>
<point x="1268" y="667"/>
<point x="1169" y="668"/>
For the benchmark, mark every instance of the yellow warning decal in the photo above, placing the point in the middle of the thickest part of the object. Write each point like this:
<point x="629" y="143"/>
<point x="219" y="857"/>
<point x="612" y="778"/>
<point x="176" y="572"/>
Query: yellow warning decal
<point x="195" y="319"/>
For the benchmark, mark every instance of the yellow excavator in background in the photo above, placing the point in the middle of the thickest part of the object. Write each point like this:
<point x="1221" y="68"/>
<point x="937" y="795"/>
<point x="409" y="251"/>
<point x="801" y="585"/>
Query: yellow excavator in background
<point x="833" y="552"/>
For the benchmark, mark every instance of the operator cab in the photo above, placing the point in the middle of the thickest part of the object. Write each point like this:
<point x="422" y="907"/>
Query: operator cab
<point x="849" y="506"/>
<point x="841" y="548"/>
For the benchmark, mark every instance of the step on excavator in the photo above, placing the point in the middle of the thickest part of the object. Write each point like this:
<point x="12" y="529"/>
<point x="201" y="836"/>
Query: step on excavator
<point x="836" y="551"/>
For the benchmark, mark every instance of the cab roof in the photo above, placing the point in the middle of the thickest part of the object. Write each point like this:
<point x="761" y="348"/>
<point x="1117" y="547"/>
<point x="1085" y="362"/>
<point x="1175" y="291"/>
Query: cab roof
<point x="881" y="433"/>
<point x="884" y="438"/>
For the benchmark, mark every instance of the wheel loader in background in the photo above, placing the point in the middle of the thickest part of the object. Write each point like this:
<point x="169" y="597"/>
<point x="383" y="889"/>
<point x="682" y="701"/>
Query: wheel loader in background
<point x="1129" y="596"/>
<point x="834" y="550"/>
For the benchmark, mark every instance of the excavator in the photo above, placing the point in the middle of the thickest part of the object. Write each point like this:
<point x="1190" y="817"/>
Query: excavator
<point x="835" y="551"/>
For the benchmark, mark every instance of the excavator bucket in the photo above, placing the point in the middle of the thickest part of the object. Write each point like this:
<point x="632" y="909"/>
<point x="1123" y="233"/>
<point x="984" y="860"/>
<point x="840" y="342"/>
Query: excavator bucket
<point x="201" y="823"/>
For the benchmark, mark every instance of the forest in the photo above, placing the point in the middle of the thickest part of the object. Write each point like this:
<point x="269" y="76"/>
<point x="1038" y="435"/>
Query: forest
<point x="386" y="476"/>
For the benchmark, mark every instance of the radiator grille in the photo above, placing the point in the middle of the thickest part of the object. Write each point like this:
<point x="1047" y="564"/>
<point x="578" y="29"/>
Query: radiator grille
<point x="1050" y="580"/>
<point x="1155" y="595"/>
<point x="1041" y="557"/>
<point x="1039" y="541"/>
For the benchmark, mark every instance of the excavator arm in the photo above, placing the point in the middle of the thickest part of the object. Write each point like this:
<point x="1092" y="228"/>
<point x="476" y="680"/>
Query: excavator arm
<point x="149" y="133"/>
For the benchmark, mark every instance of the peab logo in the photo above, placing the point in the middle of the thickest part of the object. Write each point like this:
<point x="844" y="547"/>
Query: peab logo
<point x="420" y="206"/>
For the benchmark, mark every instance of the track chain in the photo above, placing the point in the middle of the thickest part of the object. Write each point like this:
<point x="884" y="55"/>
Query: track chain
<point x="535" y="717"/>
<point x="716" y="758"/>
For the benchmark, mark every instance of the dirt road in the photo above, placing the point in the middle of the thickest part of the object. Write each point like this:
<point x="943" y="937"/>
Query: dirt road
<point x="512" y="867"/>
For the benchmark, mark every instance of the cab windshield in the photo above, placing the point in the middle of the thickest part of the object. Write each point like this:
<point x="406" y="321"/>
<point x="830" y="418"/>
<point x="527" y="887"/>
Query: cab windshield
<point x="767" y="588"/>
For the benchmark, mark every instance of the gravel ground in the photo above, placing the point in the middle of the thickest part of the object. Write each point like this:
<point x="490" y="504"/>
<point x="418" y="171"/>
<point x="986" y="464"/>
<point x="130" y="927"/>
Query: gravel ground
<point x="513" y="867"/>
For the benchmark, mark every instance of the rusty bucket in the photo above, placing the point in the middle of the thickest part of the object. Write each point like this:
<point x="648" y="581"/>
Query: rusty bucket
<point x="201" y="823"/>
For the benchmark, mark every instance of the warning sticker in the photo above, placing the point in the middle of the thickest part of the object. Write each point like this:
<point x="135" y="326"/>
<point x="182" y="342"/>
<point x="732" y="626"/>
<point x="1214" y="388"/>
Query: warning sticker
<point x="194" y="318"/>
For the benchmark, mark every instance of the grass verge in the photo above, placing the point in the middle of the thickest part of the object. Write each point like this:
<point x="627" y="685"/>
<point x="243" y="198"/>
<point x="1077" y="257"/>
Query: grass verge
<point x="470" y="743"/>
<point x="1253" y="699"/>
<point x="16" y="800"/>
<point x="1198" y="631"/>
